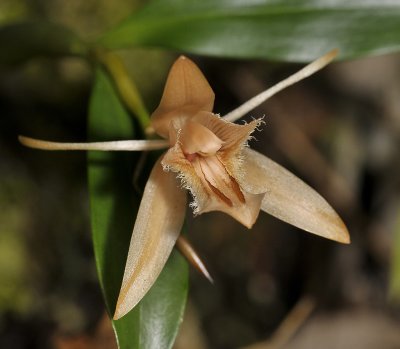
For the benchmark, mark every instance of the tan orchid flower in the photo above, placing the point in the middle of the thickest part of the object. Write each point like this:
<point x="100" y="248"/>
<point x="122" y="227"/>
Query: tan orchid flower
<point x="208" y="154"/>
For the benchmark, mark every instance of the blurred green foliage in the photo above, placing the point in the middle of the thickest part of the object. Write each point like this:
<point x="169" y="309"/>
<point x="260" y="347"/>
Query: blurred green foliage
<point x="282" y="30"/>
<point x="16" y="288"/>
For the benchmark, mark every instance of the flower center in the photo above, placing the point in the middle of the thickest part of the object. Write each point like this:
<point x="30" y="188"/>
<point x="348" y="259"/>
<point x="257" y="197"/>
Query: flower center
<point x="214" y="176"/>
<point x="196" y="138"/>
<point x="200" y="147"/>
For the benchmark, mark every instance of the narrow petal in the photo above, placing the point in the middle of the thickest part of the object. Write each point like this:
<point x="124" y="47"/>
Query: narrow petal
<point x="133" y="145"/>
<point x="254" y="102"/>
<point x="193" y="258"/>
<point x="290" y="199"/>
<point x="157" y="227"/>
<point x="186" y="89"/>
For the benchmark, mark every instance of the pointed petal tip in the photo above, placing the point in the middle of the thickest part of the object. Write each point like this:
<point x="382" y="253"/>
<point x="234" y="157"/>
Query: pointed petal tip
<point x="344" y="236"/>
<point x="248" y="225"/>
<point x="327" y="58"/>
<point x="120" y="309"/>
<point x="26" y="141"/>
<point x="330" y="227"/>
<point x="333" y="53"/>
<point x="203" y="271"/>
<point x="117" y="314"/>
<point x="186" y="92"/>
<point x="346" y="240"/>
<point x="156" y="229"/>
<point x="336" y="230"/>
<point x="34" y="143"/>
<point x="193" y="258"/>
<point x="124" y="306"/>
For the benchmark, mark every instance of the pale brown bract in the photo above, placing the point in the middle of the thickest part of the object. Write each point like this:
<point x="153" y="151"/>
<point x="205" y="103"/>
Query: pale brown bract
<point x="208" y="155"/>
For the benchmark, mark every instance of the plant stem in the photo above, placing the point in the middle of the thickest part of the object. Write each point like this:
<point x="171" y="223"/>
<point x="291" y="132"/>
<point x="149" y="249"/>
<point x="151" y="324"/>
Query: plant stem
<point x="126" y="87"/>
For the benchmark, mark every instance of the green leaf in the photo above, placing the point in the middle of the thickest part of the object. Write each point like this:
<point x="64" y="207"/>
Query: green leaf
<point x="20" y="42"/>
<point x="294" y="30"/>
<point x="163" y="306"/>
<point x="155" y="321"/>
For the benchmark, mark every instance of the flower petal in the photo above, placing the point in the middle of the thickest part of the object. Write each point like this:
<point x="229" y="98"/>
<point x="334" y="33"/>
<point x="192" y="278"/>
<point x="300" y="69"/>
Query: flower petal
<point x="192" y="257"/>
<point x="290" y="199"/>
<point x="196" y="138"/>
<point x="132" y="145"/>
<point x="245" y="213"/>
<point x="303" y="73"/>
<point x="233" y="135"/>
<point x="158" y="224"/>
<point x="186" y="91"/>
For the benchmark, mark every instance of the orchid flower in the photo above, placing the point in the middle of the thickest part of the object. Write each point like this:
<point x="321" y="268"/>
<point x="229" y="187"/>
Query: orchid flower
<point x="207" y="155"/>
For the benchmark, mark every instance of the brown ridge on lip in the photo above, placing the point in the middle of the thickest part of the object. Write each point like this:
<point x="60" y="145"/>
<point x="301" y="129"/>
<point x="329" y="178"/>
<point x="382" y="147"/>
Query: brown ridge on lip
<point x="220" y="194"/>
<point x="237" y="190"/>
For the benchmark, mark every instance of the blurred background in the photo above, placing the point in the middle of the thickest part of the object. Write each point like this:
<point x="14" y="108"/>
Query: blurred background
<point x="275" y="286"/>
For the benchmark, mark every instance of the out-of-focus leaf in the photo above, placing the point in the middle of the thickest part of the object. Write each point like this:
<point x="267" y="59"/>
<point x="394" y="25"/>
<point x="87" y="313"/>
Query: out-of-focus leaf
<point x="20" y="42"/>
<point x="155" y="321"/>
<point x="294" y="30"/>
